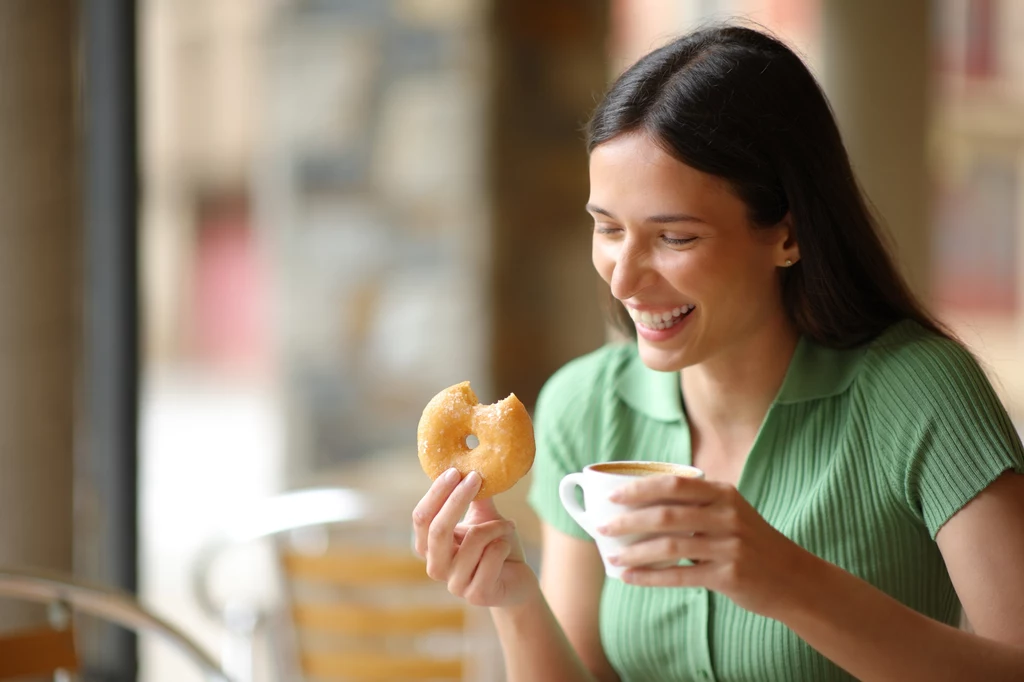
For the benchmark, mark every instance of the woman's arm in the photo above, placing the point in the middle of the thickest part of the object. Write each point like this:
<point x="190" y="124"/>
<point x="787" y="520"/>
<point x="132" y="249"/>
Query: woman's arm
<point x="860" y="628"/>
<point x="554" y="635"/>
<point x="874" y="637"/>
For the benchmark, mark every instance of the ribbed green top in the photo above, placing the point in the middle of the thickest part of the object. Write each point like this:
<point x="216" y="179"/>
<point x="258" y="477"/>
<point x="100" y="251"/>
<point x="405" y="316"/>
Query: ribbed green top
<point x="862" y="457"/>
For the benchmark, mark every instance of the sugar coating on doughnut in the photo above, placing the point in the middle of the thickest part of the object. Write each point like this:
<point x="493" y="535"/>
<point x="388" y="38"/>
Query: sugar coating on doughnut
<point x="504" y="430"/>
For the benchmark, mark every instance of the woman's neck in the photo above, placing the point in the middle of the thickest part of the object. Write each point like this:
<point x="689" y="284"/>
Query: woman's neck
<point x="729" y="394"/>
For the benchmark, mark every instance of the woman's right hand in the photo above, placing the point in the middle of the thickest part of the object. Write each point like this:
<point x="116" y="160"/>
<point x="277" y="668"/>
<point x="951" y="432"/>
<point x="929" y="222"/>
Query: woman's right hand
<point x="480" y="558"/>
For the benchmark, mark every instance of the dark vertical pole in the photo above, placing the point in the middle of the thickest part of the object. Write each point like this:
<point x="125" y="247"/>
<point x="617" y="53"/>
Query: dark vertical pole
<point x="40" y="281"/>
<point x="549" y="66"/>
<point x="108" y="457"/>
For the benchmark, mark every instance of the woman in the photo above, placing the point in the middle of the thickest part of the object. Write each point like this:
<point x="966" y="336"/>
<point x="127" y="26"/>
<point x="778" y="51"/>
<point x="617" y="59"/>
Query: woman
<point x="862" y="479"/>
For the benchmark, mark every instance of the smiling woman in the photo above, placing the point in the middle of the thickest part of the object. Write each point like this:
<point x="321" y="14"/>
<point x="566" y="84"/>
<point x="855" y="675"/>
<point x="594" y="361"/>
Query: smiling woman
<point x="862" y="480"/>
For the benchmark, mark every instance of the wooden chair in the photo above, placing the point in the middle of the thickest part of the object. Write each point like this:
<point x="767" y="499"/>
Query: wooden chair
<point x="47" y="651"/>
<point x="365" y="615"/>
<point x="32" y="653"/>
<point x="356" y="603"/>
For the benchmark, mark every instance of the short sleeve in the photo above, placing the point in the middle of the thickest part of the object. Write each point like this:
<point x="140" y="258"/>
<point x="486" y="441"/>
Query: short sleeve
<point x="566" y="420"/>
<point x="946" y="432"/>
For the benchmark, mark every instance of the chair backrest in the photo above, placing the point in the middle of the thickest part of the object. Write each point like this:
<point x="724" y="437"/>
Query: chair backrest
<point x="45" y="651"/>
<point x="368" y="614"/>
<point x="357" y="602"/>
<point x="38" y="652"/>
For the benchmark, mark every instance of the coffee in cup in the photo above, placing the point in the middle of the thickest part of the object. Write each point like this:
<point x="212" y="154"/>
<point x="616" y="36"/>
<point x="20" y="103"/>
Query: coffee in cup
<point x="598" y="481"/>
<point x="646" y="469"/>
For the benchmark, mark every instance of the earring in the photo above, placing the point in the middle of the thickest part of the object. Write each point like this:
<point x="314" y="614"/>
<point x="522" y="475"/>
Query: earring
<point x="788" y="262"/>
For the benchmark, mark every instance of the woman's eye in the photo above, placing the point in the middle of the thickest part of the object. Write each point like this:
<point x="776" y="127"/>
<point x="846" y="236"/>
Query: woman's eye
<point x="677" y="241"/>
<point x="606" y="229"/>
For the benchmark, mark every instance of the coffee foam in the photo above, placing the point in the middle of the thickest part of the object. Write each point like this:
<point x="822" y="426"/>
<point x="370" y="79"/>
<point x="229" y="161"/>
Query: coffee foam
<point x="644" y="469"/>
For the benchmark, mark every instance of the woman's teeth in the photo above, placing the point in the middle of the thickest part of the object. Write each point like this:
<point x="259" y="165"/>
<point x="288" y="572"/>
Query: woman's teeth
<point x="660" y="320"/>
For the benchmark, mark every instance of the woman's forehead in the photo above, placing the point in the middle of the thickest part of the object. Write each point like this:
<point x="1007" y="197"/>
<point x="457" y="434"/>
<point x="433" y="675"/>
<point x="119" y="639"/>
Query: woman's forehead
<point x="632" y="173"/>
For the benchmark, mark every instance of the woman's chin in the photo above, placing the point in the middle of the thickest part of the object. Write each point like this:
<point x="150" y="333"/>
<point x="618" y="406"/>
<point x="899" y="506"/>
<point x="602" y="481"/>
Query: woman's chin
<point x="662" y="359"/>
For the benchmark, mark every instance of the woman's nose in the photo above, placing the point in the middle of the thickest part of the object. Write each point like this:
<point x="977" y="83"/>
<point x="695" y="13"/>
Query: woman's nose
<point x="631" y="271"/>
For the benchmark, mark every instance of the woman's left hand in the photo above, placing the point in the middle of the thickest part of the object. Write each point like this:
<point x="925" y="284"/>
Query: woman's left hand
<point x="734" y="550"/>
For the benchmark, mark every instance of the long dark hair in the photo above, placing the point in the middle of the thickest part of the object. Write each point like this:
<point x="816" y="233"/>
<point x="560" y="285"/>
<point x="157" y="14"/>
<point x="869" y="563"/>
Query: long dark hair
<point x="739" y="104"/>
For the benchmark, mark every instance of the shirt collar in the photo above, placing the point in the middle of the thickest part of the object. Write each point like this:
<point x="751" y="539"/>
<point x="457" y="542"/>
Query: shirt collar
<point x="817" y="372"/>
<point x="814" y="372"/>
<point x="649" y="392"/>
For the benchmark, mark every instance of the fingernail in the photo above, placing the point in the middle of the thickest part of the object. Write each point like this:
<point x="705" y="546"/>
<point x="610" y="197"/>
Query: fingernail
<point x="602" y="530"/>
<point x="614" y="560"/>
<point x="451" y="475"/>
<point x="473" y="479"/>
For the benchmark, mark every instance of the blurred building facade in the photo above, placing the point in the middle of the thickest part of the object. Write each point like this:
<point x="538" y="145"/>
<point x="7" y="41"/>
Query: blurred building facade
<point x="334" y="161"/>
<point x="976" y="144"/>
<point x="350" y="206"/>
<point x="373" y="203"/>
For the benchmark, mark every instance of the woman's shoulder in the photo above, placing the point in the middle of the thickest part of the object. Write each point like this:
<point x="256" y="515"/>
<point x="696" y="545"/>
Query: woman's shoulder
<point x="912" y="364"/>
<point x="909" y="349"/>
<point x="942" y="429"/>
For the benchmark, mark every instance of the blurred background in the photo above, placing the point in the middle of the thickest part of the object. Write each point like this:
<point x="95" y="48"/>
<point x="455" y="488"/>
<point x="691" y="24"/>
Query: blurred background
<point x="247" y="240"/>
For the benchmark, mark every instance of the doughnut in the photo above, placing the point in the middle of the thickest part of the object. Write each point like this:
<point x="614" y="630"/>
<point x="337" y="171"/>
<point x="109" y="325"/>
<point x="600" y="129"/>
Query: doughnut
<point x="505" y="433"/>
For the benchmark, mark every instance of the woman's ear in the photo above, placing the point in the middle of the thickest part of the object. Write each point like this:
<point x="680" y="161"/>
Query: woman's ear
<point x="787" y="249"/>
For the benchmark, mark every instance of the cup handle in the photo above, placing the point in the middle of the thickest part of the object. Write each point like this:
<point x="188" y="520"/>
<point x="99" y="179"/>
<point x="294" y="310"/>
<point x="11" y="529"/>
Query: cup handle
<point x="567" y="492"/>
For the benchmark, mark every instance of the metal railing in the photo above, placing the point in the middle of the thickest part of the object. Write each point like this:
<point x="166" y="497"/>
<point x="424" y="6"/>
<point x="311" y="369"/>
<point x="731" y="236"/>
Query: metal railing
<point x="110" y="605"/>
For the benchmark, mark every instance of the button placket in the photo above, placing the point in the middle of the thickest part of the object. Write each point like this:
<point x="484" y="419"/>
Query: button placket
<point x="701" y="618"/>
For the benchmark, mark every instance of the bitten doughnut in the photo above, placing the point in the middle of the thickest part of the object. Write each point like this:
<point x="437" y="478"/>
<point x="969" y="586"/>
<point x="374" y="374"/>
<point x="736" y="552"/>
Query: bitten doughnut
<point x="506" y="448"/>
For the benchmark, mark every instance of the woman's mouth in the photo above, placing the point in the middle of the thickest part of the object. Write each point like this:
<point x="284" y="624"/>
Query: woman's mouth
<point x="659" y="320"/>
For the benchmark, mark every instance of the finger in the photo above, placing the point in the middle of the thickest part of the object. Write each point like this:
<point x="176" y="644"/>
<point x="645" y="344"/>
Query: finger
<point x="467" y="558"/>
<point x="666" y="548"/>
<point x="483" y="510"/>
<point x="664" y="518"/>
<point x="441" y="533"/>
<point x="480" y="511"/>
<point x="699" y="575"/>
<point x="462" y="528"/>
<point x="679" y="489"/>
<point x="481" y="587"/>
<point x="430" y="505"/>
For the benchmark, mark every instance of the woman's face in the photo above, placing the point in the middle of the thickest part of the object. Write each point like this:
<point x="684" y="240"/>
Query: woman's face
<point x="677" y="249"/>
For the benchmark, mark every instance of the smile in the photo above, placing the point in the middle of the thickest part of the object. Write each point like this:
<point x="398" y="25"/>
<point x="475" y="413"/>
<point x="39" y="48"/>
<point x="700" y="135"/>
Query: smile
<point x="659" y="320"/>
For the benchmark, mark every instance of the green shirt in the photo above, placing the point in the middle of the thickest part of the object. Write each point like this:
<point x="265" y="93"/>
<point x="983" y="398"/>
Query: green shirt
<point x="862" y="457"/>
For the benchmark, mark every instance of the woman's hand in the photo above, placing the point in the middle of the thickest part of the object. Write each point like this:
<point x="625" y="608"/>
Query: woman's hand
<point x="734" y="550"/>
<point x="481" y="559"/>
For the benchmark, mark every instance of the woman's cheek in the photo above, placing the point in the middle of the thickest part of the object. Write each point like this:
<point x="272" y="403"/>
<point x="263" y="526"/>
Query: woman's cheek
<point x="603" y="262"/>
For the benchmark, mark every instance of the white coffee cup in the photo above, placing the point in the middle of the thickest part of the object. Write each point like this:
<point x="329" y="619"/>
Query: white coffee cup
<point x="598" y="481"/>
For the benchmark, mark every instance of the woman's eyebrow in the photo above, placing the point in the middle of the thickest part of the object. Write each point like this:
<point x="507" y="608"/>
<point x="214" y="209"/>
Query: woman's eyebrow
<point x="660" y="219"/>
<point x="593" y="208"/>
<point x="674" y="218"/>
